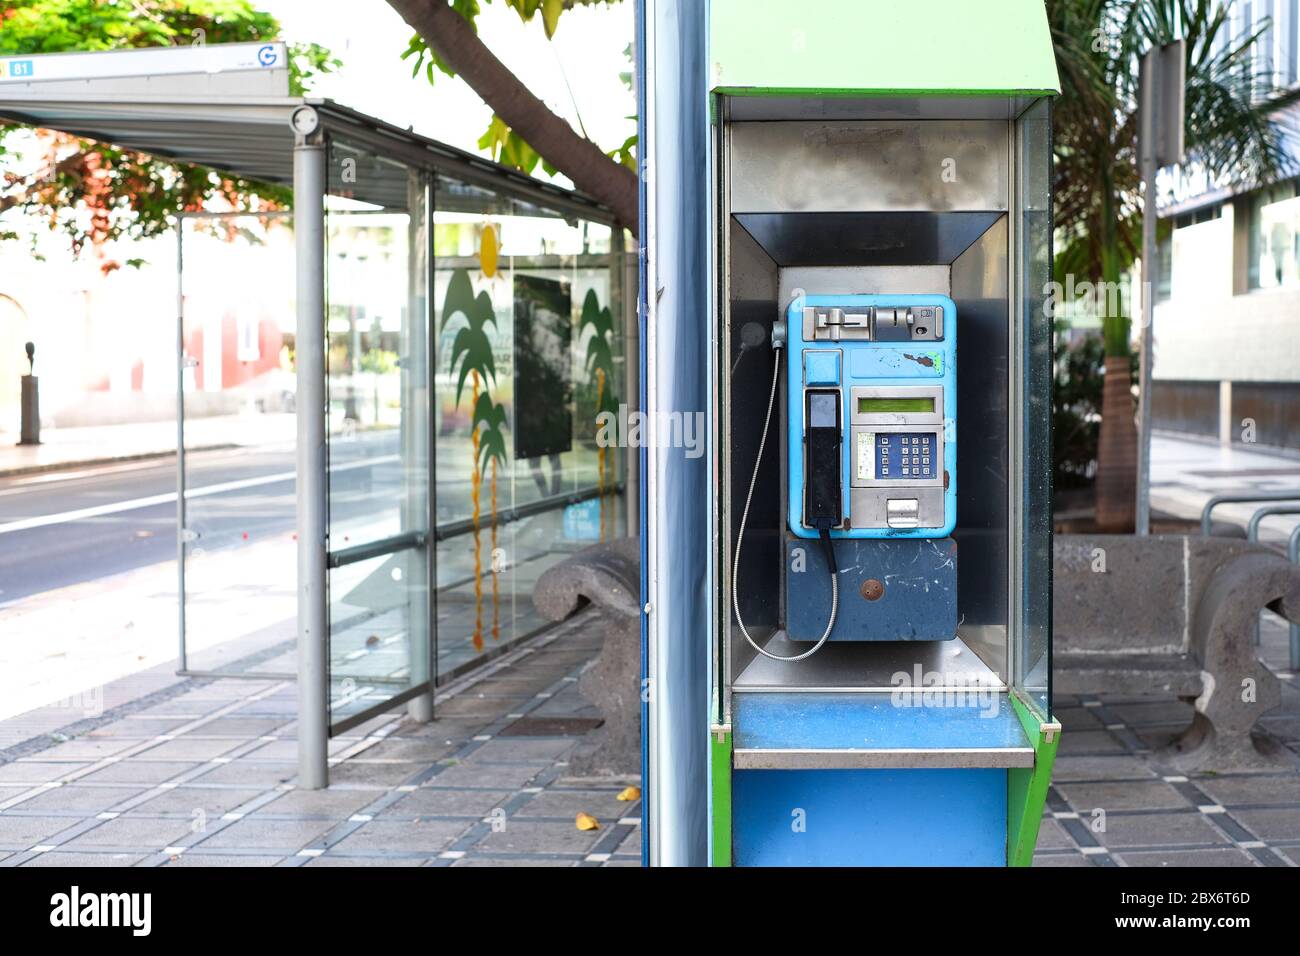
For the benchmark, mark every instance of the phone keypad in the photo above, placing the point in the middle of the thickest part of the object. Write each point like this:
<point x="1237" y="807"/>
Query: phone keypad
<point x="906" y="455"/>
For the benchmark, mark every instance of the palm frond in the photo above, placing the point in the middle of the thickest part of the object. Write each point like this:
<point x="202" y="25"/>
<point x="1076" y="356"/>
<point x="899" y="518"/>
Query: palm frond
<point x="1236" y="125"/>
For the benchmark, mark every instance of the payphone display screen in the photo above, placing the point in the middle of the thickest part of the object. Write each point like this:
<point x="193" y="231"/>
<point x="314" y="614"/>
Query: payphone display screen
<point x="877" y="406"/>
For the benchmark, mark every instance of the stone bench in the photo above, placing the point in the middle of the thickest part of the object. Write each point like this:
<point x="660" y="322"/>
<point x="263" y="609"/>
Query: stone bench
<point x="607" y="577"/>
<point x="1174" y="615"/>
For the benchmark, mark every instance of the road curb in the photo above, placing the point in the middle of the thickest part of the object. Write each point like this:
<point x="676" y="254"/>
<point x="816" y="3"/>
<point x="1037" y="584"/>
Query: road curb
<point x="106" y="460"/>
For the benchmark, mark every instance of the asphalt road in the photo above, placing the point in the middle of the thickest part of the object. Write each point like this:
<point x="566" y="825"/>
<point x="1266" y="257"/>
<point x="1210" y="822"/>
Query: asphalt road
<point x="67" y="527"/>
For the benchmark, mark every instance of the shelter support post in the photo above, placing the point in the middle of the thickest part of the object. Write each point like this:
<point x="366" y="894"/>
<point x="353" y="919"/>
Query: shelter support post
<point x="309" y="239"/>
<point x="419" y="511"/>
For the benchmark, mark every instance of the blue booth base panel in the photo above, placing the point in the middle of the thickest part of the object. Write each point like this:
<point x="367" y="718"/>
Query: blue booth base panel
<point x="932" y="817"/>
<point x="918" y="603"/>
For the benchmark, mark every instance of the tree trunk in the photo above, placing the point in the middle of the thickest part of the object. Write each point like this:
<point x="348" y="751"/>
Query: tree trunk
<point x="1116" y="488"/>
<point x="591" y="171"/>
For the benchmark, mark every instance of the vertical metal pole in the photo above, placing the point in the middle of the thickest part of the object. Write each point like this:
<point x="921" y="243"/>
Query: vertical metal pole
<point x="642" y="31"/>
<point x="1162" y="83"/>
<point x="627" y="306"/>
<point x="1225" y="414"/>
<point x="309" y="348"/>
<point x="431" y="370"/>
<point x="417" y="407"/>
<point x="1293" y="552"/>
<point x="182" y="664"/>
<point x="678" y="574"/>
<point x="1148" y="164"/>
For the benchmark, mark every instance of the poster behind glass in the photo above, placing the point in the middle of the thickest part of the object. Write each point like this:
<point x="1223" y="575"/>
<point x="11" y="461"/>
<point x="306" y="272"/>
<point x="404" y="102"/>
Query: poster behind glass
<point x="543" y="336"/>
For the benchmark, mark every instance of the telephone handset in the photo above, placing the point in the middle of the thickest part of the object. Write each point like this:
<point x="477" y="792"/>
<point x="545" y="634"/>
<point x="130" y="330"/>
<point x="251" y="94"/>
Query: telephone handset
<point x="823" y="498"/>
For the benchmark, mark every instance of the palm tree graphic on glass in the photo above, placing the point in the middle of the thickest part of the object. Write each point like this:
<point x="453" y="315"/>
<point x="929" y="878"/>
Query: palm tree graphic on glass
<point x="600" y="369"/>
<point x="472" y="362"/>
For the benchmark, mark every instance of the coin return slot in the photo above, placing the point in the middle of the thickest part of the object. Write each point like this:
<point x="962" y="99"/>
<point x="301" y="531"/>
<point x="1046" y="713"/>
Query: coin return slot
<point x="903" y="512"/>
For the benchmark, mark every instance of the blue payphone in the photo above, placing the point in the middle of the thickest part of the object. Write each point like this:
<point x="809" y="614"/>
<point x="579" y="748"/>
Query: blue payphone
<point x="887" y="364"/>
<point x="871" y="453"/>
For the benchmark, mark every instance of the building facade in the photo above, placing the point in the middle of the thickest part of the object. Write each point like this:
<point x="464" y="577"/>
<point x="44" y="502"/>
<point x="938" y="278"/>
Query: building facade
<point x="1227" y="313"/>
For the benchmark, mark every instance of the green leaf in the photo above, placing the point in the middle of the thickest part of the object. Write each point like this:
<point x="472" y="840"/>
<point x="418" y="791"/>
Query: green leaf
<point x="484" y="313"/>
<point x="459" y="298"/>
<point x="600" y="357"/>
<point x="144" y="192"/>
<point x="492" y="444"/>
<point x="551" y="10"/>
<point x="626" y="154"/>
<point x="489" y="413"/>
<point x="507" y="147"/>
<point x="469" y="9"/>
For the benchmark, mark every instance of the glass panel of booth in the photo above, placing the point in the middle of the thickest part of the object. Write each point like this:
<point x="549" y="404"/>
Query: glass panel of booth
<point x="528" y="384"/>
<point x="377" y="425"/>
<point x="1032" y="660"/>
<point x="988" y="249"/>
<point x="236" y="391"/>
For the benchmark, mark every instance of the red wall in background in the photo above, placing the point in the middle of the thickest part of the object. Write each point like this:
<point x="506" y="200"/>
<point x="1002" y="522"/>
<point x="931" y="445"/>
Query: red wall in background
<point x="233" y="371"/>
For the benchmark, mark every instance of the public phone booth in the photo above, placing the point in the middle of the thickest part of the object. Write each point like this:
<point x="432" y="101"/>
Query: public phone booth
<point x="848" y="246"/>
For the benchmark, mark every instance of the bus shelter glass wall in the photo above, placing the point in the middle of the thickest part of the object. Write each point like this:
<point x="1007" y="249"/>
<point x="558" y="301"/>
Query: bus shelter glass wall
<point x="236" y="405"/>
<point x="529" y="381"/>
<point x="1033" y="653"/>
<point x="378" y="430"/>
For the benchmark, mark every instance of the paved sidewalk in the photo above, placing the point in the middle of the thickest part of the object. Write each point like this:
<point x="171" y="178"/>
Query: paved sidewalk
<point x="201" y="773"/>
<point x="74" y="641"/>
<point x="1111" y="802"/>
<point x="101" y="444"/>
<point x="1186" y="473"/>
<point x="184" y="772"/>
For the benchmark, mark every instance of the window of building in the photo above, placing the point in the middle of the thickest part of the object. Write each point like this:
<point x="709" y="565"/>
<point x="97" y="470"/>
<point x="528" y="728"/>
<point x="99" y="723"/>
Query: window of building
<point x="1276" y="49"/>
<point x="1164" y="261"/>
<point x="1274" y="52"/>
<point x="1285" y="23"/>
<point x="1191" y="258"/>
<point x="1275" y="238"/>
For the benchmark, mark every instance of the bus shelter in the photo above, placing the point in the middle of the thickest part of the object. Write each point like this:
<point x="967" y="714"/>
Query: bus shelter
<point x="420" y="342"/>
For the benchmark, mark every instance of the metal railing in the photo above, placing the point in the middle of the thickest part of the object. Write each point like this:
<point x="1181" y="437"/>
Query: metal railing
<point x="418" y="539"/>
<point x="375" y="549"/>
<point x="421" y="539"/>
<point x="1293" y="554"/>
<point x="1252" y="534"/>
<point x="454" y="529"/>
<point x="1243" y="497"/>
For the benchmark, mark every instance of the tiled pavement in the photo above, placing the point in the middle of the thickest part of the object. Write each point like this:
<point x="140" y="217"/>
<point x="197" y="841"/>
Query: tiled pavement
<point x="1113" y="804"/>
<point x="1110" y="805"/>
<point x="203" y="776"/>
<point x="200" y="773"/>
